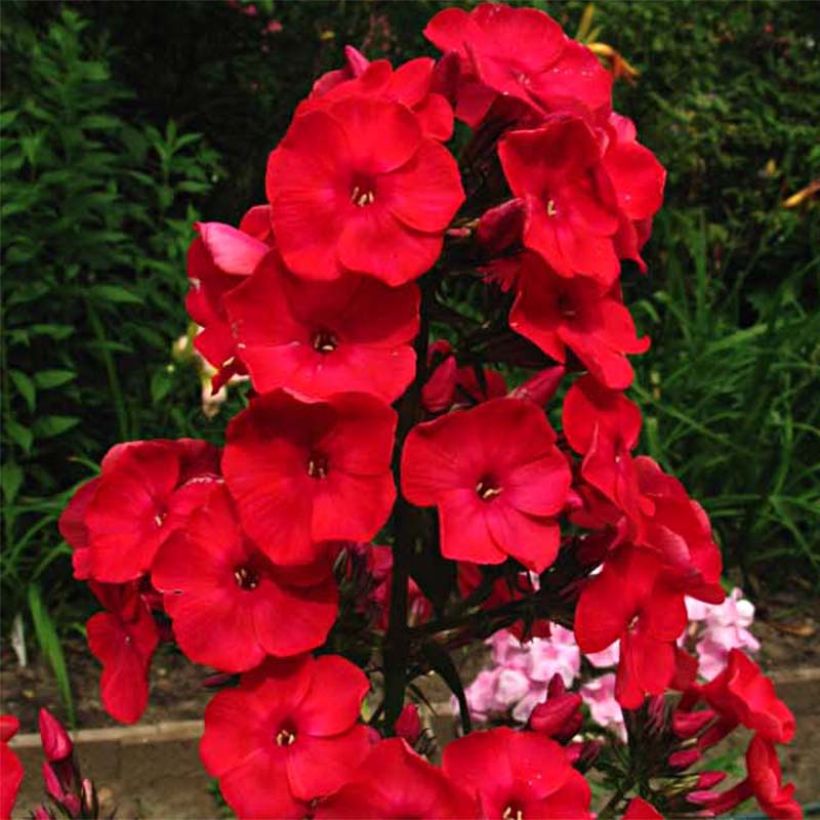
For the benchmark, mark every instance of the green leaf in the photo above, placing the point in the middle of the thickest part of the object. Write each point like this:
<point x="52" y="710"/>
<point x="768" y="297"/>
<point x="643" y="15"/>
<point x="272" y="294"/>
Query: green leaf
<point x="47" y="379"/>
<point x="50" y="646"/>
<point x="114" y="293"/>
<point x="161" y="383"/>
<point x="11" y="477"/>
<point x="25" y="386"/>
<point x="50" y="426"/>
<point x="20" y="435"/>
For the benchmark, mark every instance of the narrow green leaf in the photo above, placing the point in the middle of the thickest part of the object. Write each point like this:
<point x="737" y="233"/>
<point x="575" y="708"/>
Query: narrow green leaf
<point x="11" y="477"/>
<point x="114" y="293"/>
<point x="50" y="426"/>
<point x="25" y="386"/>
<point x="47" y="379"/>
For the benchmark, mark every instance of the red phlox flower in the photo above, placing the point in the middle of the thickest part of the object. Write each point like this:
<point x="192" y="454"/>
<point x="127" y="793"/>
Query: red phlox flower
<point x="11" y="769"/>
<point x="450" y="384"/>
<point x="408" y="724"/>
<point x="497" y="478"/>
<point x="557" y="313"/>
<point x="541" y="387"/>
<point x="219" y="259"/>
<point x="631" y="600"/>
<point x="321" y="338"/>
<point x="304" y="473"/>
<point x="571" y="217"/>
<point x="287" y="735"/>
<point x="766" y="780"/>
<point x="741" y="693"/>
<point x="639" y="809"/>
<point x="230" y="606"/>
<point x="123" y="639"/>
<point x="396" y="782"/>
<point x="355" y="186"/>
<point x="518" y="53"/>
<point x="679" y="529"/>
<point x="146" y="490"/>
<point x="355" y="65"/>
<point x="637" y="179"/>
<point x="410" y="84"/>
<point x="517" y="774"/>
<point x="604" y="426"/>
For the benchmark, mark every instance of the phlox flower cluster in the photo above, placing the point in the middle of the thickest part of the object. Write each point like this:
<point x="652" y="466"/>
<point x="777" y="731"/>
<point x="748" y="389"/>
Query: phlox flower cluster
<point x="376" y="410"/>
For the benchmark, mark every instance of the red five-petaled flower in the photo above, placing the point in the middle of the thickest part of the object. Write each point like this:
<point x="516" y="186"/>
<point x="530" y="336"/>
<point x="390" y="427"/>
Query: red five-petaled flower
<point x="123" y="639"/>
<point x="219" y="259"/>
<point x="571" y="219"/>
<point x="287" y="735"/>
<point x="393" y="781"/>
<point x="146" y="491"/>
<point x="321" y="338"/>
<point x="355" y="186"/>
<point x="303" y="473"/>
<point x="230" y="606"/>
<point x="557" y="313"/>
<point x="631" y="600"/>
<point x="497" y="479"/>
<point x="517" y="774"/>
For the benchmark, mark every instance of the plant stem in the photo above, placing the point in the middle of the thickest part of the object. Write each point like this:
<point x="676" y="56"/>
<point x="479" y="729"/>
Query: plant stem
<point x="406" y="528"/>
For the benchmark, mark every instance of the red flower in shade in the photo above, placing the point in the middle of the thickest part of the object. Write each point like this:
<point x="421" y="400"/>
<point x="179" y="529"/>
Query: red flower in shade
<point x="559" y="716"/>
<point x="509" y="587"/>
<point x="394" y="781"/>
<point x="521" y="54"/>
<point x="219" y="259"/>
<point x="557" y="313"/>
<point x="146" y="491"/>
<point x="11" y="769"/>
<point x="741" y="693"/>
<point x="633" y="601"/>
<point x="302" y="473"/>
<point x="637" y="179"/>
<point x="410" y="84"/>
<point x="450" y="384"/>
<point x="766" y="780"/>
<point x="288" y="734"/>
<point x="516" y="774"/>
<point x="570" y="218"/>
<point x="639" y="809"/>
<point x="377" y="563"/>
<point x="679" y="529"/>
<point x="229" y="603"/>
<point x="604" y="426"/>
<point x="321" y="338"/>
<point x="355" y="186"/>
<point x="123" y="639"/>
<point x="497" y="479"/>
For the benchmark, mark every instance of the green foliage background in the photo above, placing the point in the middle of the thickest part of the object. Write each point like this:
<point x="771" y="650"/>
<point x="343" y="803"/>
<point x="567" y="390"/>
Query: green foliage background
<point x="124" y="122"/>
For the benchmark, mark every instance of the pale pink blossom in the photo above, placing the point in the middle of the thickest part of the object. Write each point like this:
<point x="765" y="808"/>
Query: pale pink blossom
<point x="599" y="696"/>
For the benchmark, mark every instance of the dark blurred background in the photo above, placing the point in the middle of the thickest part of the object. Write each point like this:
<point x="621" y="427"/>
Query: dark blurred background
<point x="122" y="123"/>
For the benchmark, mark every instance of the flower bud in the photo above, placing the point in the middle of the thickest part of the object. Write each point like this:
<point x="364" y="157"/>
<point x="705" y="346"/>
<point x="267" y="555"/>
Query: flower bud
<point x="541" y="387"/>
<point x="688" y="724"/>
<point x="408" y="724"/>
<point x="707" y="780"/>
<point x="54" y="788"/>
<point x="500" y="228"/>
<point x="91" y="805"/>
<point x="57" y="744"/>
<point x="43" y="813"/>
<point x="684" y="759"/>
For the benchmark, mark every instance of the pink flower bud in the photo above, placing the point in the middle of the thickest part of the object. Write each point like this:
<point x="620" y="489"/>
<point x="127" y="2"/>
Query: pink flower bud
<point x="707" y="780"/>
<point x="43" y="813"/>
<point x="88" y="793"/>
<point x="501" y="227"/>
<point x="684" y="759"/>
<point x="688" y="724"/>
<point x="541" y="387"/>
<point x="54" y="788"/>
<point x="57" y="744"/>
<point x="558" y="717"/>
<point x="408" y="724"/>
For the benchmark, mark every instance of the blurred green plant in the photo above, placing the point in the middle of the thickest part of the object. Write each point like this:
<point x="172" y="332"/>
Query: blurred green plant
<point x="97" y="214"/>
